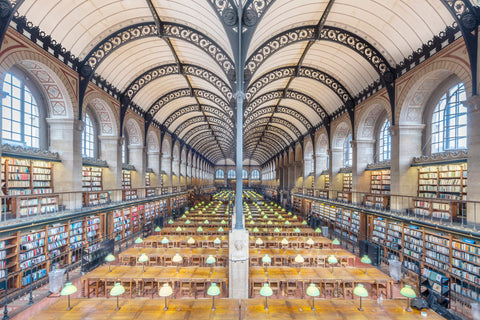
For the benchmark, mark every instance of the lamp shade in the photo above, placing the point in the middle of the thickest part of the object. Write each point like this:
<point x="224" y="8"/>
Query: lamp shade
<point x="110" y="258"/>
<point x="259" y="241"/>
<point x="178" y="229"/>
<point x="177" y="258"/>
<point x="165" y="290"/>
<point x="294" y="217"/>
<point x="332" y="259"/>
<point x="217" y="241"/>
<point x="158" y="229"/>
<point x="143" y="258"/>
<point x="184" y="215"/>
<point x="297" y="230"/>
<point x="266" y="259"/>
<point x="269" y="222"/>
<point x="213" y="290"/>
<point x="335" y="242"/>
<point x="165" y="240"/>
<point x="223" y="222"/>
<point x="310" y="242"/>
<point x="408" y="292"/>
<point x="318" y="230"/>
<point x="289" y="213"/>
<point x="304" y="222"/>
<point x="255" y="229"/>
<point x="170" y="221"/>
<point x="220" y="229"/>
<point x="68" y="289"/>
<point x="266" y="291"/>
<point x="366" y="259"/>
<point x="206" y="221"/>
<point x="210" y="260"/>
<point x="299" y="259"/>
<point x="191" y="241"/>
<point x="284" y="241"/>
<point x="187" y="221"/>
<point x="200" y="229"/>
<point x="252" y="222"/>
<point x="360" y="291"/>
<point x="312" y="290"/>
<point x="138" y="240"/>
<point x="276" y="230"/>
<point x="117" y="290"/>
<point x="287" y="223"/>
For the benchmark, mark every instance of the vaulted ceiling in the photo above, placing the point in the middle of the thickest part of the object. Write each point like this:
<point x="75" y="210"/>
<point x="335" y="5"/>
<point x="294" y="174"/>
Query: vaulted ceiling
<point x="303" y="61"/>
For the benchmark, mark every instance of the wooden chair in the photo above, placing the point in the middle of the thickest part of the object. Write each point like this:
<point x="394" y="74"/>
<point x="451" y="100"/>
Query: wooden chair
<point x="125" y="261"/>
<point x="291" y="289"/>
<point x="200" y="289"/>
<point x="185" y="289"/>
<point x="348" y="287"/>
<point x="95" y="287"/>
<point x="320" y="262"/>
<point x="149" y="287"/>
<point x="255" y="289"/>
<point x="129" y="286"/>
<point x="380" y="288"/>
<point x="328" y="289"/>
<point x="276" y="288"/>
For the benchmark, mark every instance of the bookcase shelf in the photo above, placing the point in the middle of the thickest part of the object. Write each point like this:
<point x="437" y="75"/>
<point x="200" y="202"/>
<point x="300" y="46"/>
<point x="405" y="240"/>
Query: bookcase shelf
<point x="129" y="194"/>
<point x="34" y="205"/>
<point x="379" y="189"/>
<point x="92" y="179"/>
<point x="126" y="179"/>
<point x="96" y="198"/>
<point x="439" y="190"/>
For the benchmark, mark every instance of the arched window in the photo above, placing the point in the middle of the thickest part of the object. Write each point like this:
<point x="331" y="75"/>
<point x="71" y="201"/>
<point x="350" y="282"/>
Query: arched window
<point x="231" y="174"/>
<point x="88" y="138"/>
<point x="255" y="175"/>
<point x="449" y="121"/>
<point x="384" y="142"/>
<point x="244" y="174"/>
<point x="20" y="114"/>
<point x="125" y="150"/>
<point x="347" y="152"/>
<point x="219" y="174"/>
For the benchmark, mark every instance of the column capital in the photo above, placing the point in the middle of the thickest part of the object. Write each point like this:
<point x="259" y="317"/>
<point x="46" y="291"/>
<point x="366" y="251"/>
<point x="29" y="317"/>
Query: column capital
<point x="406" y="129"/>
<point x="472" y="103"/>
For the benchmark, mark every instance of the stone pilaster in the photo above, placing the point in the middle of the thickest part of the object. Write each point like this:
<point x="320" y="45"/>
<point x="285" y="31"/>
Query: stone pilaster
<point x="238" y="275"/>
<point x="66" y="139"/>
<point x="154" y="164"/>
<point x="473" y="105"/>
<point x="362" y="154"/>
<point x="167" y="169"/>
<point x="336" y="163"/>
<point x="136" y="157"/>
<point x="111" y="151"/>
<point x="406" y="144"/>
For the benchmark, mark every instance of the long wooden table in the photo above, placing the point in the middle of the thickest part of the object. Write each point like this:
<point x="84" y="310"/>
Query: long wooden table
<point x="192" y="231"/>
<point x="98" y="281"/>
<point x="180" y="241"/>
<point x="289" y="282"/>
<point x="293" y="242"/>
<point x="163" y="257"/>
<point x="229" y="309"/>
<point x="313" y="257"/>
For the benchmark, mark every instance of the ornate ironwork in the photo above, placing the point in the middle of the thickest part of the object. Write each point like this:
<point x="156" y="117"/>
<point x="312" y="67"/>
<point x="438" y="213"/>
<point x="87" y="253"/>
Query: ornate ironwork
<point x="280" y="109"/>
<point x="305" y="33"/>
<point x="306" y="72"/>
<point x="291" y="94"/>
<point x="277" y="130"/>
<point x="265" y="120"/>
<point x="253" y="11"/>
<point x="186" y="92"/>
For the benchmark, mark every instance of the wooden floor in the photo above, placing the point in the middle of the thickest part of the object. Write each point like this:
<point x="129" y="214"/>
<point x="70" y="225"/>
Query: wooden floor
<point x="251" y="309"/>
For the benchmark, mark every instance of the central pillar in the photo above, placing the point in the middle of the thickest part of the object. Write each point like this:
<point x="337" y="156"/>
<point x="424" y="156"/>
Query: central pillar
<point x="238" y="240"/>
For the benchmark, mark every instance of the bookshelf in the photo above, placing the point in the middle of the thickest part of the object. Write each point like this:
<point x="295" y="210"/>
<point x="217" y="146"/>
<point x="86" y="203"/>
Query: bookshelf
<point x="345" y="195"/>
<point x="92" y="179"/>
<point x="127" y="222"/>
<point x="379" y="189"/>
<point x="126" y="179"/>
<point x="76" y="239"/>
<point x="147" y="179"/>
<point x="32" y="259"/>
<point x="347" y="224"/>
<point x="151" y="192"/>
<point x="96" y="198"/>
<point x="93" y="233"/>
<point x="440" y="187"/>
<point x="436" y="283"/>
<point x="9" y="260"/>
<point x="118" y="224"/>
<point x="413" y="248"/>
<point x="57" y="245"/>
<point x="393" y="241"/>
<point x="23" y="206"/>
<point x="129" y="194"/>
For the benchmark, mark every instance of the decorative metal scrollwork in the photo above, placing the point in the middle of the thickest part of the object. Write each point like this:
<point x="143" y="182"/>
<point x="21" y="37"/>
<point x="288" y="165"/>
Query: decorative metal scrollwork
<point x="179" y="113"/>
<point x="280" y="109"/>
<point x="170" y="69"/>
<point x="328" y="33"/>
<point x="178" y="31"/>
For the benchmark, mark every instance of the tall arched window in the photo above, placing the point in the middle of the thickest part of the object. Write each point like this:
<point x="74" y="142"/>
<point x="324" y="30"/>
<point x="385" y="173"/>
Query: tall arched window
<point x="244" y="174"/>
<point x="219" y="174"/>
<point x="20" y="116"/>
<point x="231" y="174"/>
<point x="88" y="138"/>
<point x="347" y="151"/>
<point x="125" y="150"/>
<point x="255" y="175"/>
<point x="384" y="142"/>
<point x="449" y="121"/>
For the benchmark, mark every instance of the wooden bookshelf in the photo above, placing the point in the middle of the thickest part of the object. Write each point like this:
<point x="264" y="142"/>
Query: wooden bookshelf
<point x="440" y="188"/>
<point x="32" y="259"/>
<point x="379" y="189"/>
<point x="92" y="178"/>
<point x="126" y="179"/>
<point x="34" y="205"/>
<point x="129" y="194"/>
<point x="57" y="245"/>
<point x="347" y="225"/>
<point x="346" y="195"/>
<point x="147" y="179"/>
<point x="76" y="239"/>
<point x="96" y="198"/>
<point x="151" y="192"/>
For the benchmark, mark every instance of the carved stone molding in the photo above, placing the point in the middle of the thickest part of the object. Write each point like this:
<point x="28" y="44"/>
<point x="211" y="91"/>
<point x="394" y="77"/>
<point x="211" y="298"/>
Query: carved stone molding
<point x="94" y="162"/>
<point x="441" y="157"/>
<point x="378" y="165"/>
<point x="22" y="151"/>
<point x="345" y="170"/>
<point x="127" y="166"/>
